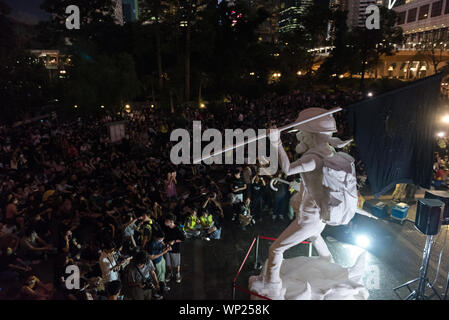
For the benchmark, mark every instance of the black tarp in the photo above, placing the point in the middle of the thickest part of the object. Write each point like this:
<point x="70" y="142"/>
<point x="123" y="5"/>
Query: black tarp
<point x="395" y="134"/>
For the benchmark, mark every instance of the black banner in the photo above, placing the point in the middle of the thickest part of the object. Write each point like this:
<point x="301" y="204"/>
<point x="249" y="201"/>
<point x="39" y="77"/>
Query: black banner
<point x="395" y="134"/>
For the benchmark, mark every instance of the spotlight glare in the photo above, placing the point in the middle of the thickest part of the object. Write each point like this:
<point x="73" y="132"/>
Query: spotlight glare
<point x="446" y="119"/>
<point x="362" y="241"/>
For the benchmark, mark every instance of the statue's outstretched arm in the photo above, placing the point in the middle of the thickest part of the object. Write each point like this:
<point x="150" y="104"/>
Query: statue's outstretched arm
<point x="305" y="164"/>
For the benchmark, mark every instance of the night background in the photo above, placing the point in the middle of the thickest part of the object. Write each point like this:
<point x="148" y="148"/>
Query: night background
<point x="87" y="176"/>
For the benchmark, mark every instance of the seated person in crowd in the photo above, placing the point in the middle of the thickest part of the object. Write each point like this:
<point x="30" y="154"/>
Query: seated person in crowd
<point x="209" y="229"/>
<point x="113" y="290"/>
<point x="11" y="266"/>
<point x="34" y="289"/>
<point x="192" y="225"/>
<point x="32" y="246"/>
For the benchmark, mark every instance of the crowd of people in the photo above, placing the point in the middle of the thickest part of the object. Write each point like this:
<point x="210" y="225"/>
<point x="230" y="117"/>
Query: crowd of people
<point x="118" y="213"/>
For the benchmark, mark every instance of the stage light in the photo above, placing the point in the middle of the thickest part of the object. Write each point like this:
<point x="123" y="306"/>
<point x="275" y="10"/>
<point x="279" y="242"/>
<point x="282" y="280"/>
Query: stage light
<point x="370" y="94"/>
<point x="102" y="107"/>
<point x="362" y="241"/>
<point x="202" y="106"/>
<point x="446" y="119"/>
<point x="75" y="106"/>
<point x="440" y="134"/>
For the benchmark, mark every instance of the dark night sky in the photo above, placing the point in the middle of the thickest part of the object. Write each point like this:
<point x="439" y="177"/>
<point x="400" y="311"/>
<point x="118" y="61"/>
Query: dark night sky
<point x="27" y="11"/>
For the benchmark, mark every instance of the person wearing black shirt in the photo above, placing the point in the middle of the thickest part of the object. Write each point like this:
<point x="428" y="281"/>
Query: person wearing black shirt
<point x="258" y="185"/>
<point x="238" y="186"/>
<point x="173" y="236"/>
<point x="281" y="200"/>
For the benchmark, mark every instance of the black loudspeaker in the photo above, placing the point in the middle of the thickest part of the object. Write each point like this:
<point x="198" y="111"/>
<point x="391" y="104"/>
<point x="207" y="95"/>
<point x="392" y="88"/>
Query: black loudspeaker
<point x="443" y="196"/>
<point x="428" y="216"/>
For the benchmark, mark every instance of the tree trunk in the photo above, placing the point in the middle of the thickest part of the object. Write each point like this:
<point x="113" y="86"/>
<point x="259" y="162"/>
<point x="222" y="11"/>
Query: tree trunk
<point x="153" y="93"/>
<point x="199" y="92"/>
<point x="187" y="64"/>
<point x="159" y="57"/>
<point x="172" y="106"/>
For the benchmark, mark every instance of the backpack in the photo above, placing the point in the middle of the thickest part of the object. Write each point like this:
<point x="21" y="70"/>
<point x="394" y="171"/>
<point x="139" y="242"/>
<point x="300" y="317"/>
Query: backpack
<point x="339" y="182"/>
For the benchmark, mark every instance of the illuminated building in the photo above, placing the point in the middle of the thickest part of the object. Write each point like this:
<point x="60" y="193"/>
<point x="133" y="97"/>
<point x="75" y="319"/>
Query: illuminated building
<point x="291" y="14"/>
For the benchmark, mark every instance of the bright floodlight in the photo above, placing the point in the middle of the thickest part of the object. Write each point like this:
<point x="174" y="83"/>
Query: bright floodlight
<point x="362" y="241"/>
<point x="440" y="134"/>
<point x="370" y="94"/>
<point x="446" y="119"/>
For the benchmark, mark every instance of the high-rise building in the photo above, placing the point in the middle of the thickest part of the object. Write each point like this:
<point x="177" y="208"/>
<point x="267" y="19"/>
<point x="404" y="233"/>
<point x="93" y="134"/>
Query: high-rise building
<point x="130" y="10"/>
<point x="356" y="12"/>
<point x="291" y="14"/>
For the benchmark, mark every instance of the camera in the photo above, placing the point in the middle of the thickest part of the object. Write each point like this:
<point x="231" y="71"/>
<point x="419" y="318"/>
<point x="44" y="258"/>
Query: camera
<point x="148" y="284"/>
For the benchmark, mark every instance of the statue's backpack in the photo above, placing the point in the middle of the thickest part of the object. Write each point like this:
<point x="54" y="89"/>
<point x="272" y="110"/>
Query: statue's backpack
<point x="340" y="198"/>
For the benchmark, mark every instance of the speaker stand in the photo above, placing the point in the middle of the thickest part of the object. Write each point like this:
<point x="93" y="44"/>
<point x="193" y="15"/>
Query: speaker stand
<point x="419" y="293"/>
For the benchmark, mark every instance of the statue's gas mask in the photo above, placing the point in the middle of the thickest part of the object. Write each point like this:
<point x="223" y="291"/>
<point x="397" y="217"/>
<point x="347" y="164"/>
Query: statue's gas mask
<point x="305" y="140"/>
<point x="317" y="132"/>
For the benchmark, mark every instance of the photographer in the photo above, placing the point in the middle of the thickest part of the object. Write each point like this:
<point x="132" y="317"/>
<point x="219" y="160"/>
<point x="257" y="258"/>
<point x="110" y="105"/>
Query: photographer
<point x="157" y="251"/>
<point x="142" y="279"/>
<point x="173" y="236"/>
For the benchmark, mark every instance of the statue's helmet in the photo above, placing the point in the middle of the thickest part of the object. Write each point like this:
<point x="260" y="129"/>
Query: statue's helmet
<point x="324" y="124"/>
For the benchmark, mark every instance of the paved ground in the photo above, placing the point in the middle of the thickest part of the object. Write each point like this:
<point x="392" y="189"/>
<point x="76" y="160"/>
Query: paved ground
<point x="395" y="254"/>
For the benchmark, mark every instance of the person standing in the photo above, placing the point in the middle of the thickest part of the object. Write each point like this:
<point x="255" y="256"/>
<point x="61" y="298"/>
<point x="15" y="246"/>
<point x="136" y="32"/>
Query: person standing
<point x="170" y="185"/>
<point x="108" y="264"/>
<point x="247" y="178"/>
<point x="258" y="185"/>
<point x="280" y="199"/>
<point x="157" y="251"/>
<point x="142" y="277"/>
<point x="173" y="236"/>
<point x="238" y="187"/>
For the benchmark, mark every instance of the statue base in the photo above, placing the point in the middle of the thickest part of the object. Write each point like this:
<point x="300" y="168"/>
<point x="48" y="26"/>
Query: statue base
<point x="313" y="278"/>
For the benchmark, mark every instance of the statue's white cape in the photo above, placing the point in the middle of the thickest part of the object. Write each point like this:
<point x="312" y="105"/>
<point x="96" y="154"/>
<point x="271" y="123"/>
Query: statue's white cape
<point x="315" y="278"/>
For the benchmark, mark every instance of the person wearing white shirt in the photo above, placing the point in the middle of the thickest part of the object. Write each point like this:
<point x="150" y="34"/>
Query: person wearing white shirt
<point x="108" y="264"/>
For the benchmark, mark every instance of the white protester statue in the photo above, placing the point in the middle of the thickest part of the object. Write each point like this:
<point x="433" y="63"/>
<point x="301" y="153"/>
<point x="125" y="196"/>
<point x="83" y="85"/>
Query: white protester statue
<point x="319" y="200"/>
